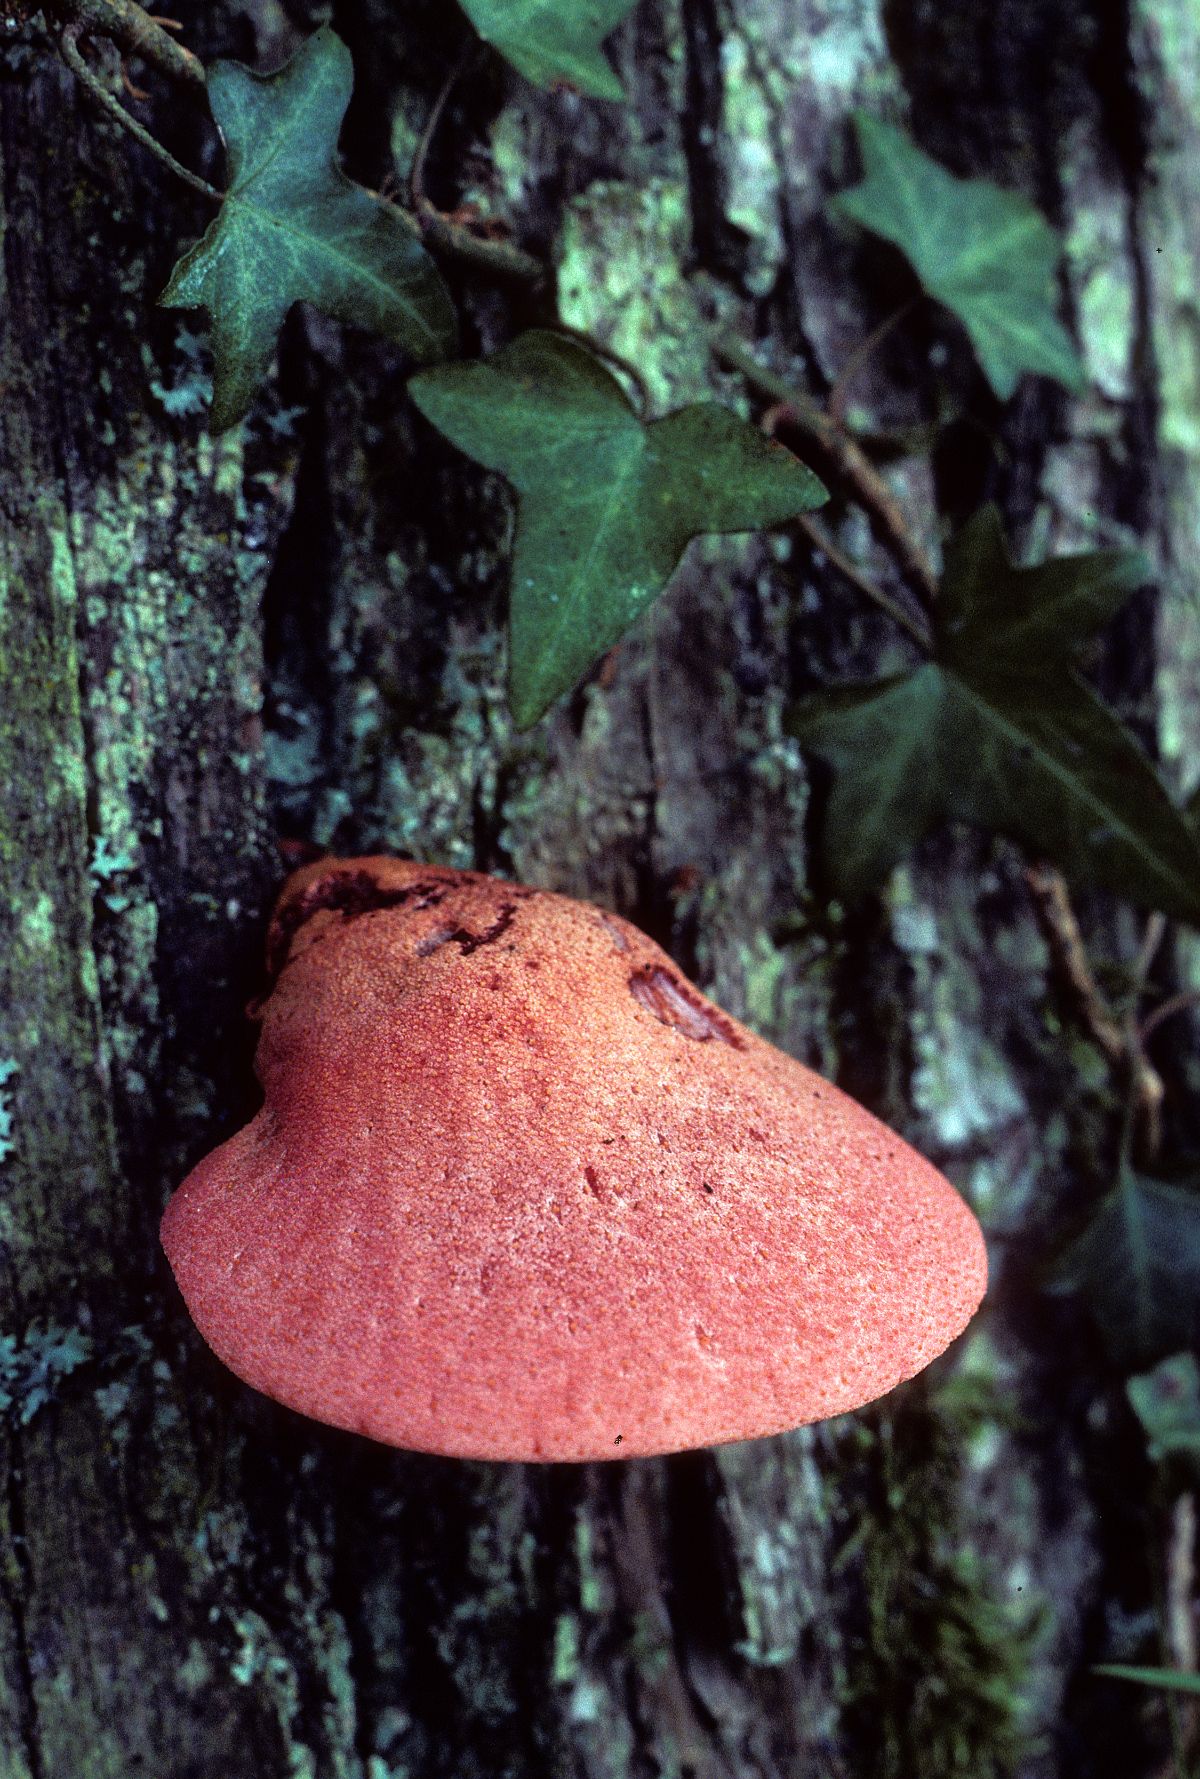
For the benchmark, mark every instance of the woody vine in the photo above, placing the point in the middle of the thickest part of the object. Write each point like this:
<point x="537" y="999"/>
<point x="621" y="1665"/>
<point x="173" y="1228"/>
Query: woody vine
<point x="988" y="721"/>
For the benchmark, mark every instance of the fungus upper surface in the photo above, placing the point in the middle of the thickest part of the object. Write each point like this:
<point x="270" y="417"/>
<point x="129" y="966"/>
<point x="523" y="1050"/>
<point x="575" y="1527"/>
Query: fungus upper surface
<point x="518" y="1190"/>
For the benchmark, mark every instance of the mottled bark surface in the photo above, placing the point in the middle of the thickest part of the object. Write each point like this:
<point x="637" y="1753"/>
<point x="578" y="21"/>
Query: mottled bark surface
<point x="295" y="633"/>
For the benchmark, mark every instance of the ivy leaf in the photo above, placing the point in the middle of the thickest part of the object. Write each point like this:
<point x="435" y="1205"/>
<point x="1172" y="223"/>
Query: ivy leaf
<point x="553" y="42"/>
<point x="986" y="253"/>
<point x="1176" y="1680"/>
<point x="607" y="503"/>
<point x="293" y="228"/>
<point x="1167" y="1403"/>
<point x="999" y="731"/>
<point x="1138" y="1262"/>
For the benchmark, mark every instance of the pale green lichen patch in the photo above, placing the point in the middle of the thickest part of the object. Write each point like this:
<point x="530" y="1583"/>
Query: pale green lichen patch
<point x="1178" y="682"/>
<point x="963" y="1086"/>
<point x="764" y="975"/>
<point x="942" y="1677"/>
<point x="564" y="1658"/>
<point x="190" y="389"/>
<point x="782" y="92"/>
<point x="37" y="923"/>
<point x="33" y="1365"/>
<point x="772" y="1561"/>
<point x="195" y="1671"/>
<point x="46" y="1011"/>
<point x="619" y="256"/>
<point x="779" y="1559"/>
<point x="283" y="1663"/>
<point x="754" y="179"/>
<point x="1106" y="321"/>
<point x="1100" y="267"/>
<point x="168" y="562"/>
<point x="1165" y="43"/>
<point x="9" y="1069"/>
<point x="591" y="1582"/>
<point x="508" y="140"/>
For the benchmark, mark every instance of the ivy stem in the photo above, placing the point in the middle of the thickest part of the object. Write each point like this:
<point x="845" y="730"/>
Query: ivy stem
<point x="73" y="56"/>
<point x="835" y="407"/>
<point x="1152" y="938"/>
<point x="450" y="237"/>
<point x="443" y="231"/>
<point x="851" y="462"/>
<point x="135" y="31"/>
<point x="1060" y="928"/>
<point x="1180" y="1610"/>
<point x="1180" y="1003"/>
<point x="821" y="540"/>
<point x="610" y="355"/>
<point x="1120" y="1044"/>
<point x="416" y="177"/>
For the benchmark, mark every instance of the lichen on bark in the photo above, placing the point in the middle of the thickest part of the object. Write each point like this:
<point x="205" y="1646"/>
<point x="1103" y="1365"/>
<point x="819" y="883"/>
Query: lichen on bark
<point x="296" y="634"/>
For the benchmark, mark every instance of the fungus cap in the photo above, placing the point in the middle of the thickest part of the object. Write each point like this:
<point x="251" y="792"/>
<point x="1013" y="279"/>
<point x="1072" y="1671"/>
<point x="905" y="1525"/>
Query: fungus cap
<point x="517" y="1190"/>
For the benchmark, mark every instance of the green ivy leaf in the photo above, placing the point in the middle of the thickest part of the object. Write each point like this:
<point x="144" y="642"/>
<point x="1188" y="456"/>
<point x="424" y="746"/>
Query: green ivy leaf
<point x="1138" y="1262"/>
<point x="1167" y="1403"/>
<point x="553" y="42"/>
<point x="294" y="229"/>
<point x="607" y="502"/>
<point x="986" y="253"/>
<point x="1171" y="1679"/>
<point x="997" y="730"/>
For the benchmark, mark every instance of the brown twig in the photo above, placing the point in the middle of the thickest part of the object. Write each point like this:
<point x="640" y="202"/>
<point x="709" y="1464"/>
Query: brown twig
<point x="820" y="540"/>
<point x="1180" y="1003"/>
<point x="135" y="31"/>
<point x="446" y="232"/>
<point x="1180" y="1608"/>
<point x="446" y="235"/>
<point x="611" y="356"/>
<point x="1120" y="1043"/>
<point x="1061" y="931"/>
<point x="416" y="176"/>
<point x="1152" y="938"/>
<point x="835" y="407"/>
<point x="135" y="92"/>
<point x="849" y="460"/>
<point x="73" y="56"/>
<point x="1181" y="1585"/>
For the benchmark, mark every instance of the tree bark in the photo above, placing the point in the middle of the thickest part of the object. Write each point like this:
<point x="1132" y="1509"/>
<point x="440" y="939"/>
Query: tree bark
<point x="295" y="632"/>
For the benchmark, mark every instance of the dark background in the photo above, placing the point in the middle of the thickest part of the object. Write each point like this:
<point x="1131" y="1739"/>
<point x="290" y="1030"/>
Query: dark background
<point x="295" y="633"/>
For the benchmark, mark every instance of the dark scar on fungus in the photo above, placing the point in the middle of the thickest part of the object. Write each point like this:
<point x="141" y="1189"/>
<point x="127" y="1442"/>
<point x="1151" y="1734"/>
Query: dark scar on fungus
<point x="678" y="1006"/>
<point x="343" y="892"/>
<point x="466" y="940"/>
<point x="615" y="933"/>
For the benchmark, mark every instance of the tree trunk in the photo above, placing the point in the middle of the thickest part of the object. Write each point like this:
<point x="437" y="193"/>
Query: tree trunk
<point x="295" y="632"/>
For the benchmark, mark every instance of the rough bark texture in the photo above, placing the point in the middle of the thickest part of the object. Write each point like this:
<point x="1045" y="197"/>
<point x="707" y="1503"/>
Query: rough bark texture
<point x="296" y="632"/>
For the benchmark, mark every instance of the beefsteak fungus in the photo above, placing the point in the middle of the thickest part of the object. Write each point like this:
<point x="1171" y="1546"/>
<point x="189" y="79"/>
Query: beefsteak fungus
<point x="518" y="1190"/>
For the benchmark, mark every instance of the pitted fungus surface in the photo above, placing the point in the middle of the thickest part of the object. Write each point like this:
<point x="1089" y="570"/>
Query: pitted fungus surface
<point x="518" y="1190"/>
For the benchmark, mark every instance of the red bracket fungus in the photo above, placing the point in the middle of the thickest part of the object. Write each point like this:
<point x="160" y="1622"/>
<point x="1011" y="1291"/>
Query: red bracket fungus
<point x="518" y="1190"/>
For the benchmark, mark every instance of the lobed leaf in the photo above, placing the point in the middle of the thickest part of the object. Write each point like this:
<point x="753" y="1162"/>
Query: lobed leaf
<point x="292" y="228"/>
<point x="1171" y="1679"/>
<point x="1167" y="1403"/>
<point x="553" y="42"/>
<point x="1138" y="1263"/>
<point x="987" y="254"/>
<point x="1000" y="732"/>
<point x="608" y="502"/>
